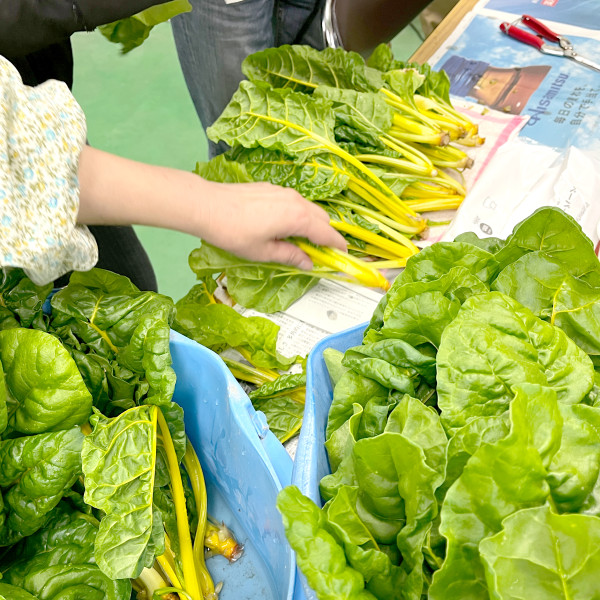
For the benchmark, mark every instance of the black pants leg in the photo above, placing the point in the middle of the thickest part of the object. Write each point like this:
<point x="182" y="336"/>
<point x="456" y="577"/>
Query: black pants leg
<point x="120" y="251"/>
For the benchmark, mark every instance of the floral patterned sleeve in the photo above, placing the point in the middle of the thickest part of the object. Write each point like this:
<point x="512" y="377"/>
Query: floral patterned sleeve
<point x="42" y="132"/>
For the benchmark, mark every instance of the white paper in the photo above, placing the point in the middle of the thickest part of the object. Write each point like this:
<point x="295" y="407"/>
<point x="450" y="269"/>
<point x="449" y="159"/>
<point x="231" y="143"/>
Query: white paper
<point x="327" y="308"/>
<point x="524" y="177"/>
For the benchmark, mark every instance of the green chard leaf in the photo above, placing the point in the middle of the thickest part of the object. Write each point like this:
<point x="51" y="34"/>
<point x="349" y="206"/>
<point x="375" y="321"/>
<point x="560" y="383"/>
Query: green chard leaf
<point x="267" y="287"/>
<point x="438" y="259"/>
<point x="557" y="235"/>
<point x="364" y="111"/>
<point x="393" y="363"/>
<point x="11" y="592"/>
<point x="218" y="326"/>
<point x="498" y="480"/>
<point x="105" y="314"/>
<point x="282" y="402"/>
<point x="57" y="563"/>
<point x="276" y="118"/>
<point x="539" y="554"/>
<point x="133" y="31"/>
<point x="45" y="391"/>
<point x="404" y="83"/>
<point x="320" y="556"/>
<point x="351" y="389"/>
<point x="224" y="169"/>
<point x="303" y="68"/>
<point x="418" y="312"/>
<point x="119" y="459"/>
<point x="283" y="413"/>
<point x="490" y="244"/>
<point x="317" y="177"/>
<point x="35" y="472"/>
<point x="492" y="345"/>
<point x="23" y="298"/>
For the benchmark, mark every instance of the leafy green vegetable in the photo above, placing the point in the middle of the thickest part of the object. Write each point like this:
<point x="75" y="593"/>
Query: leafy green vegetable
<point x="492" y="345"/>
<point x="49" y="396"/>
<point x="557" y="235"/>
<point x="539" y="554"/>
<point x="319" y="555"/>
<point x="133" y="31"/>
<point x="303" y="68"/>
<point x="57" y="563"/>
<point x="119" y="336"/>
<point x="218" y="326"/>
<point x="511" y="472"/>
<point x="11" y="592"/>
<point x="503" y="501"/>
<point x="23" y="299"/>
<point x="119" y="479"/>
<point x="284" y="415"/>
<point x="35" y="473"/>
<point x="266" y="287"/>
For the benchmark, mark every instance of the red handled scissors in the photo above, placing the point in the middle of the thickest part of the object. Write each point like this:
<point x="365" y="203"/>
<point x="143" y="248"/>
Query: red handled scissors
<point x="564" y="48"/>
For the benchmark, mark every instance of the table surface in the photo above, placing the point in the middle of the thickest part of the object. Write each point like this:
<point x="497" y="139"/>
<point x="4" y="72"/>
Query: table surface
<point x="442" y="31"/>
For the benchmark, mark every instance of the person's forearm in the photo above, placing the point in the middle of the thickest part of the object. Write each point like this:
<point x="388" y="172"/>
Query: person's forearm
<point x="251" y="220"/>
<point x="118" y="191"/>
<point x="363" y="24"/>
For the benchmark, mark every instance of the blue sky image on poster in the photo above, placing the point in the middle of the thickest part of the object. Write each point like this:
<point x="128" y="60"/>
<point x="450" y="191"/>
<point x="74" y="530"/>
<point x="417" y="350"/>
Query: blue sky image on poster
<point x="581" y="13"/>
<point x="560" y="96"/>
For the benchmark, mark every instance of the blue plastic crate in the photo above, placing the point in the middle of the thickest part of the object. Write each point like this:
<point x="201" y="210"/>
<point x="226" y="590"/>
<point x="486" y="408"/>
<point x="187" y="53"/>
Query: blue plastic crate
<point x="244" y="465"/>
<point x="311" y="462"/>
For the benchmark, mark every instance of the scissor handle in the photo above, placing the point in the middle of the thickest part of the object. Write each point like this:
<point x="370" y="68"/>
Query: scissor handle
<point x="540" y="28"/>
<point x="521" y="35"/>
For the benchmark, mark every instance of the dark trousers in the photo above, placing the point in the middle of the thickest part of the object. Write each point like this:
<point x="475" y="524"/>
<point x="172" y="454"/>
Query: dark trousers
<point x="120" y="251"/>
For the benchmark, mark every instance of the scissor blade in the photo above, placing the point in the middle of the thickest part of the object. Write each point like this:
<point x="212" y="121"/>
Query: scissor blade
<point x="586" y="62"/>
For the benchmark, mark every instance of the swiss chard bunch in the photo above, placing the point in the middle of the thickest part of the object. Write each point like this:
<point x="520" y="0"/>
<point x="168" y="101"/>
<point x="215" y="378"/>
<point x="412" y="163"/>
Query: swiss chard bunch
<point x="370" y="145"/>
<point x="463" y="435"/>
<point x="99" y="489"/>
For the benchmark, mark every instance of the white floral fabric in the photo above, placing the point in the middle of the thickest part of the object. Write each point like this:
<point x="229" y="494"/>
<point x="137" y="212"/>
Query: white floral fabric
<point x="42" y="133"/>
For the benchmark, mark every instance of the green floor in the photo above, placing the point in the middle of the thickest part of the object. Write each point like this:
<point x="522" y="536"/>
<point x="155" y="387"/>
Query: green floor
<point x="138" y="106"/>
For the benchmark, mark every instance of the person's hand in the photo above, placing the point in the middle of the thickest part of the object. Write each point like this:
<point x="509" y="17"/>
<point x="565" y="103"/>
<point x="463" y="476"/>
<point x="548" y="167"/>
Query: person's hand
<point x="251" y="220"/>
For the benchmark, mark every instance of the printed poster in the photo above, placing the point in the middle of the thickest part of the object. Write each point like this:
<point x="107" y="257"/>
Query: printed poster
<point x="560" y="97"/>
<point x="580" y="13"/>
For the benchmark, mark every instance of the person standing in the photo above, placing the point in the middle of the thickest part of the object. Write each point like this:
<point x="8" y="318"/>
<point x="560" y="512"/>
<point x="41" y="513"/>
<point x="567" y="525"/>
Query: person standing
<point x="216" y="36"/>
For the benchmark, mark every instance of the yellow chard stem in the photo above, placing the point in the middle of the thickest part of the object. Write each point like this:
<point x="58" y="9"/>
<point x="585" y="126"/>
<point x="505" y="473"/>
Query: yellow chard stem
<point x="406" y="150"/>
<point x="437" y="139"/>
<point x="398" y="263"/>
<point x="183" y="530"/>
<point x="430" y="205"/>
<point x="149" y="580"/>
<point x="373" y="251"/>
<point x="267" y="372"/>
<point x="397" y="163"/>
<point x="408" y="125"/>
<point x="194" y="471"/>
<point x="397" y="102"/>
<point x="453" y="183"/>
<point x="392" y="210"/>
<point x="345" y="263"/>
<point x="333" y="148"/>
<point x="391" y="247"/>
<point x="251" y="374"/>
<point x="168" y="570"/>
<point x="373" y="215"/>
<point x="416" y="192"/>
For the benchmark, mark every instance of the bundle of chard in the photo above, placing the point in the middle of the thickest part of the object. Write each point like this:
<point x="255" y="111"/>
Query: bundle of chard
<point x="375" y="144"/>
